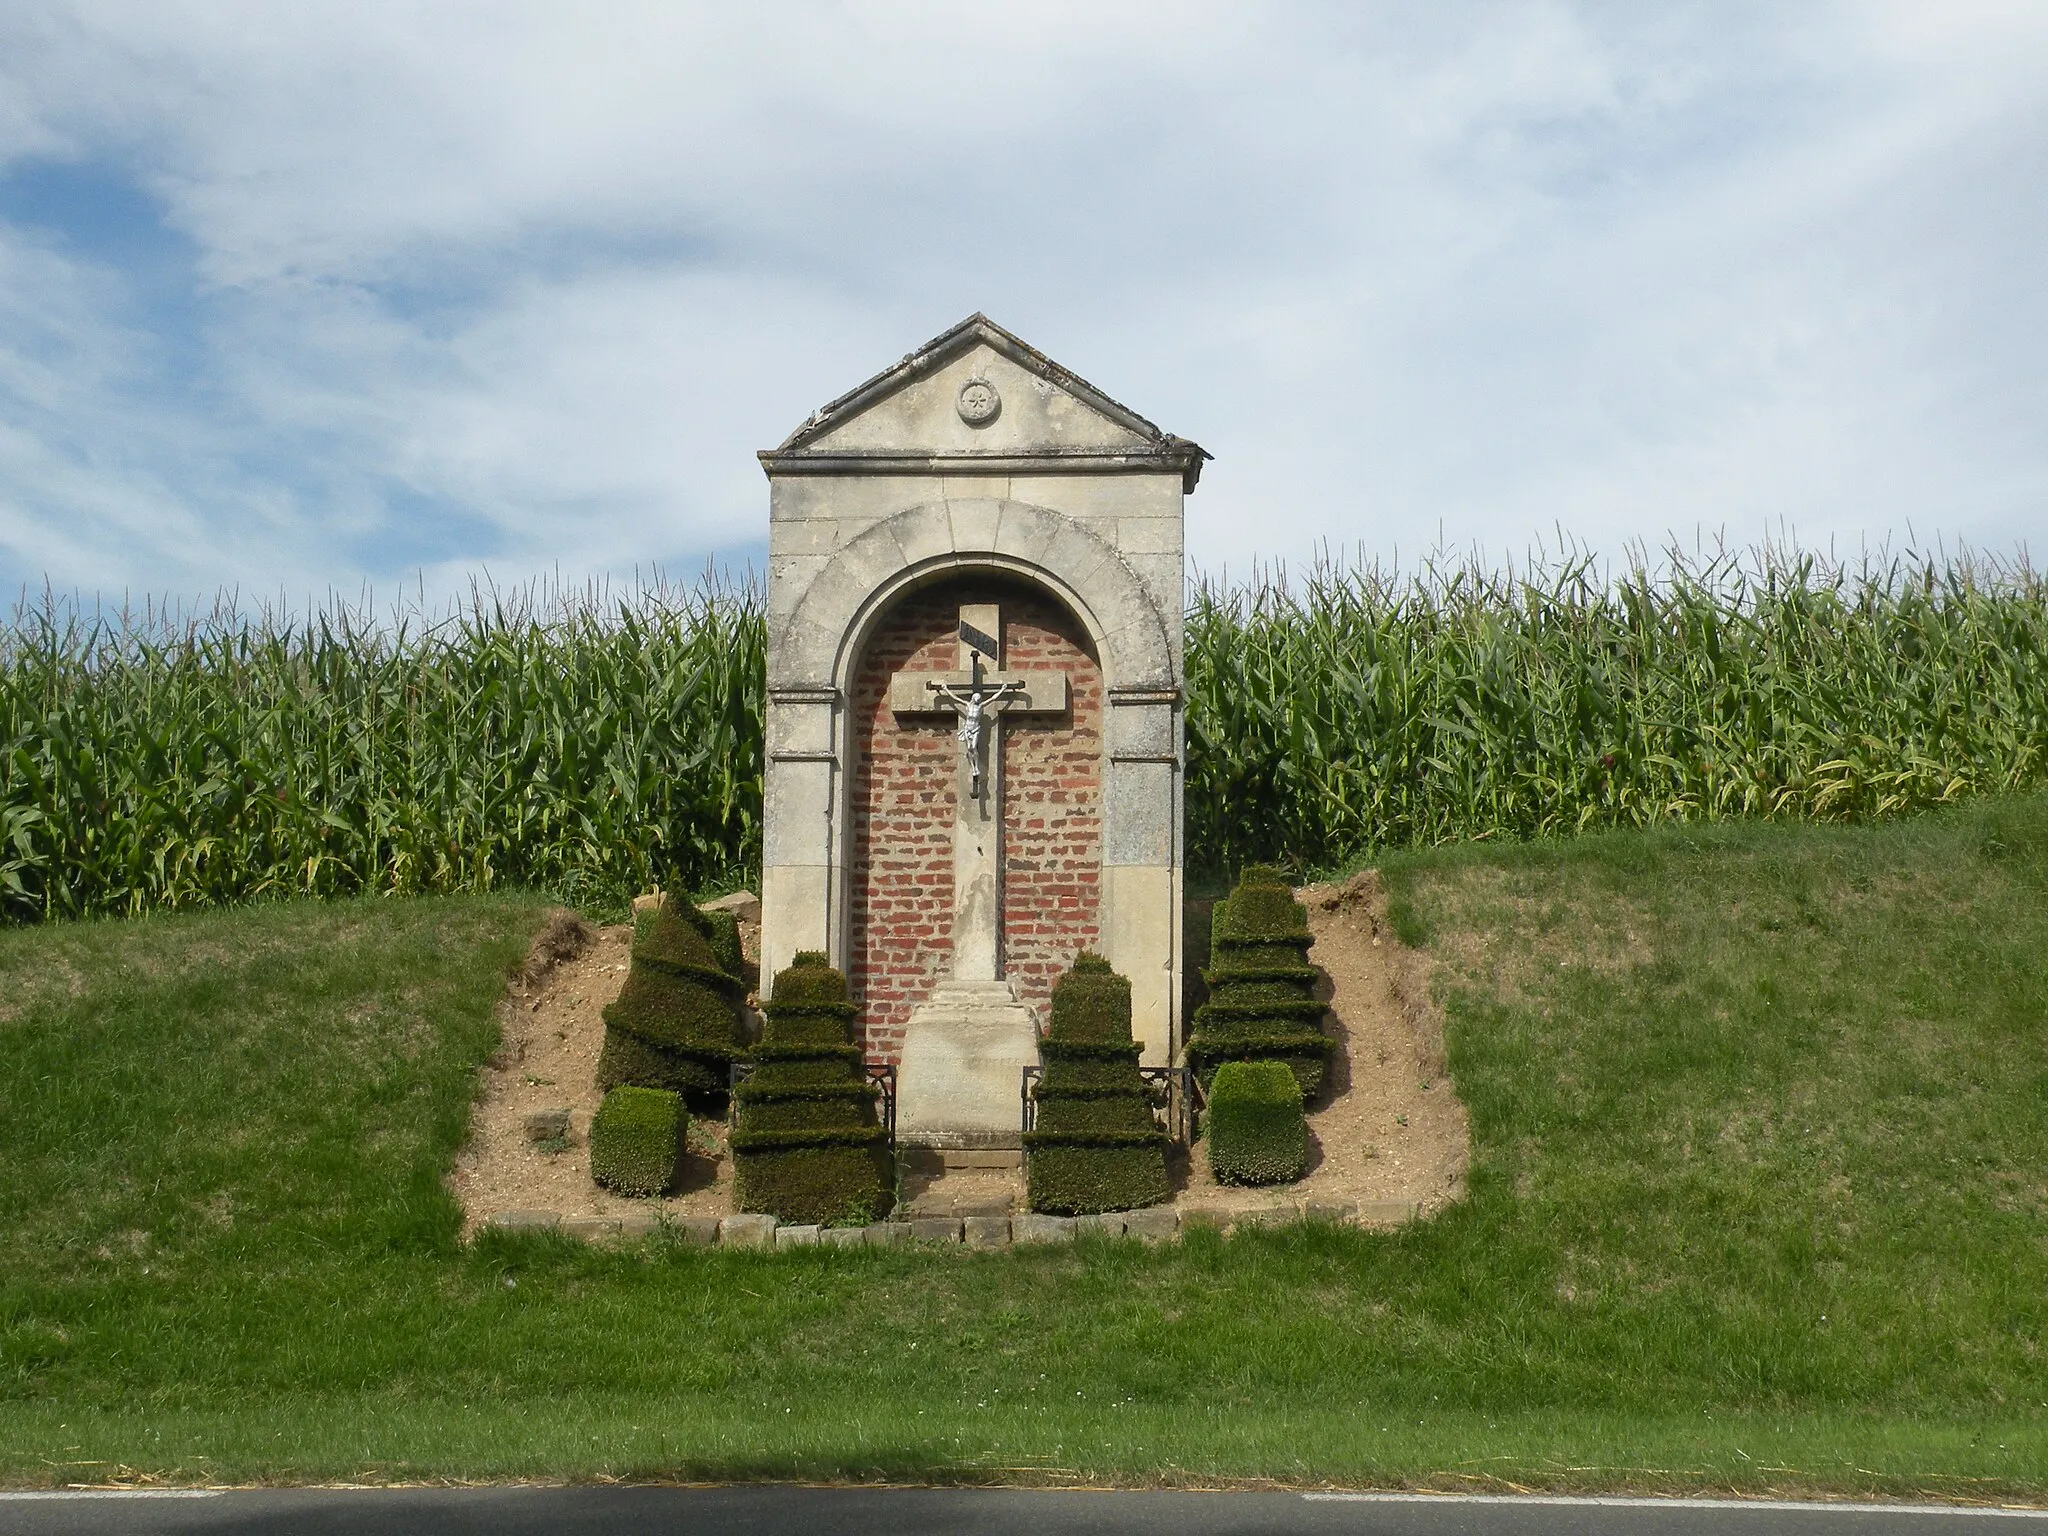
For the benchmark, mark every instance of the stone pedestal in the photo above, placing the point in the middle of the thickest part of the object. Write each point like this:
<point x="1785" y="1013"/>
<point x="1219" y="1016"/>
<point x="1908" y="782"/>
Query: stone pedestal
<point x="961" y="1076"/>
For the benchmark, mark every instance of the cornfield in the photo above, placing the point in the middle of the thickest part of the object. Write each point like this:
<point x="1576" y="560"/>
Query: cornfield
<point x="593" y="745"/>
<point x="574" y="742"/>
<point x="1362" y="711"/>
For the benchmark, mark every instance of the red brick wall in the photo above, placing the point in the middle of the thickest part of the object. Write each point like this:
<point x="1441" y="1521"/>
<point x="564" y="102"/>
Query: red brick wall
<point x="904" y="783"/>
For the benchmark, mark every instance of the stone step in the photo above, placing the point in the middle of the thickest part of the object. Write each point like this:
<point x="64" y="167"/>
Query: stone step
<point x="937" y="1160"/>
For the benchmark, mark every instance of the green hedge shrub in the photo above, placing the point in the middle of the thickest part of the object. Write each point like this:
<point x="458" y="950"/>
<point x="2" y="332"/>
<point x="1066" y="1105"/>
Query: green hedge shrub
<point x="807" y="1144"/>
<point x="1262" y="1004"/>
<point x="635" y="1138"/>
<point x="678" y="1023"/>
<point x="1255" y="1127"/>
<point x="1095" y="1147"/>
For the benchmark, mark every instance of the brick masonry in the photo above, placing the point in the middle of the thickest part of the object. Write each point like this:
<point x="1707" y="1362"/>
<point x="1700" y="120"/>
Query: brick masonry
<point x="903" y="806"/>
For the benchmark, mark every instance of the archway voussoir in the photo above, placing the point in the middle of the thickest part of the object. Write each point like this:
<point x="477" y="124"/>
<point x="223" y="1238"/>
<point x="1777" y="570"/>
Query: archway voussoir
<point x="1024" y="531"/>
<point x="923" y="533"/>
<point x="975" y="523"/>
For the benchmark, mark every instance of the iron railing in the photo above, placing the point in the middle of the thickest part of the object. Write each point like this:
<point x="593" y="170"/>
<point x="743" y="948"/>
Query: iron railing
<point x="880" y="1073"/>
<point x="1173" y="1093"/>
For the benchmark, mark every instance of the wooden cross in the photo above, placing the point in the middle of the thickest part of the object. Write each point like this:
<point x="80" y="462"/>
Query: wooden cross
<point x="981" y="694"/>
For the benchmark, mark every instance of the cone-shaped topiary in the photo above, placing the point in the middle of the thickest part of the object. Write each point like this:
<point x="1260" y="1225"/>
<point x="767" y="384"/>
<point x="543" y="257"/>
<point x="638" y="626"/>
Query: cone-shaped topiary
<point x="1262" y="1004"/>
<point x="677" y="1023"/>
<point x="807" y="1145"/>
<point x="635" y="1138"/>
<point x="1256" y="1132"/>
<point x="1095" y="1147"/>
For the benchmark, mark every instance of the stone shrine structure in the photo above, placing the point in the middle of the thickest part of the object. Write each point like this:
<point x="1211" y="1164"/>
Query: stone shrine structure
<point x="974" y="723"/>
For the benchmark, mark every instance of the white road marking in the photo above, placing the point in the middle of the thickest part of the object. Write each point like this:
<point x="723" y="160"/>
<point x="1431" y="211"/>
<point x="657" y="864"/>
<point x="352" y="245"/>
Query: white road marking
<point x="2013" y="1512"/>
<point x="19" y="1494"/>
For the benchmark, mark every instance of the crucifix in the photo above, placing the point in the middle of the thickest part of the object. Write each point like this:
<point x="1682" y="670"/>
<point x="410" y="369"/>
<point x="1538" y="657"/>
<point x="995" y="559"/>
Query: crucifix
<point x="982" y="695"/>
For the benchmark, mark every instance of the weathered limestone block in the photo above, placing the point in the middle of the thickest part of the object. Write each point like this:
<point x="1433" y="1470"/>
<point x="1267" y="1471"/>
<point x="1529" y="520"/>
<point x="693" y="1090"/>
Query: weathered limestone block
<point x="985" y="1231"/>
<point x="1032" y="1227"/>
<point x="1155" y="1225"/>
<point x="747" y="1231"/>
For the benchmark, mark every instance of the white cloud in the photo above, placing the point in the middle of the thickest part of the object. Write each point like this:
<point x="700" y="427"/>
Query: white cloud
<point x="527" y="286"/>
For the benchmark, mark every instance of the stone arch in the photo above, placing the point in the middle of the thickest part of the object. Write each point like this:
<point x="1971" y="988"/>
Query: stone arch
<point x="820" y="643"/>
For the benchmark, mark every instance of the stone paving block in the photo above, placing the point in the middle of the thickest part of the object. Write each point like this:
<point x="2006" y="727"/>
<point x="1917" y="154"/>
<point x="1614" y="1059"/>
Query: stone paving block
<point x="1218" y="1218"/>
<point x="589" y="1229"/>
<point x="843" y="1237"/>
<point x="1265" y="1216"/>
<point x="800" y="1236"/>
<point x="985" y="1231"/>
<point x="1340" y="1211"/>
<point x="1387" y="1213"/>
<point x="1031" y="1227"/>
<point x="748" y="1231"/>
<point x="697" y="1231"/>
<point x="637" y="1224"/>
<point x="888" y="1234"/>
<point x="934" y="1229"/>
<point x="546" y="1125"/>
<point x="1156" y="1224"/>
<point x="524" y="1221"/>
<point x="1106" y="1224"/>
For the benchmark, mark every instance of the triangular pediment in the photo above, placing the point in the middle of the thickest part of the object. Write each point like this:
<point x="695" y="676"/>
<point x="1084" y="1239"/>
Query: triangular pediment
<point x="978" y="390"/>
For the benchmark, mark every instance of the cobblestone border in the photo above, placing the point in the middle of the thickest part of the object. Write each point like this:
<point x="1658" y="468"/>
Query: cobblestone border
<point x="1154" y="1225"/>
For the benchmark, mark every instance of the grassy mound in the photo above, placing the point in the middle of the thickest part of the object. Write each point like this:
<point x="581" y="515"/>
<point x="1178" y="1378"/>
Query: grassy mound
<point x="1759" y="1118"/>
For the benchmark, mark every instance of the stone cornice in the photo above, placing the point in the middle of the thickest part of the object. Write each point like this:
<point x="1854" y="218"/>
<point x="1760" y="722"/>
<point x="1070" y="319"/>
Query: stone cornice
<point x="1176" y="455"/>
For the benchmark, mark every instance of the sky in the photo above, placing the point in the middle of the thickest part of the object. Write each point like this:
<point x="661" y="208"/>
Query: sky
<point x="344" y="297"/>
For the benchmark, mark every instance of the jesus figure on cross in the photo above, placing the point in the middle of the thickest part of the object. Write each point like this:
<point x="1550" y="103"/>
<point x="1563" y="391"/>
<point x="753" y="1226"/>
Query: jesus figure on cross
<point x="982" y="699"/>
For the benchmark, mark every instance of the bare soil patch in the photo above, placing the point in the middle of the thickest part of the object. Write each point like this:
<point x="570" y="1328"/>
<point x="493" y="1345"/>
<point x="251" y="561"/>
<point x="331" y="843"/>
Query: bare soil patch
<point x="553" y="1022"/>
<point x="1388" y="1126"/>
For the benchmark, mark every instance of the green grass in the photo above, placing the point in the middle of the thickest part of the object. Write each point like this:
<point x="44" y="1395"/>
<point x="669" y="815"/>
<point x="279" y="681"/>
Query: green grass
<point x="1757" y="1203"/>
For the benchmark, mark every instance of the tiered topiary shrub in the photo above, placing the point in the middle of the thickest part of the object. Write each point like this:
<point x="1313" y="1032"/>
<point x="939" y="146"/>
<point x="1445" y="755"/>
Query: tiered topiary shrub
<point x="677" y="1023"/>
<point x="635" y="1138"/>
<point x="724" y="931"/>
<point x="1262" y="1004"/>
<point x="1095" y="1146"/>
<point x="1256" y="1131"/>
<point x="807" y="1144"/>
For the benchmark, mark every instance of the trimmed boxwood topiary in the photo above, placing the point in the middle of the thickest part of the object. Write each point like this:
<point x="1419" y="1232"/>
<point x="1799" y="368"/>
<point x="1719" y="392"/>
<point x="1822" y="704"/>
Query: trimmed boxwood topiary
<point x="1262" y="1004"/>
<point x="635" y="1138"/>
<point x="1256" y="1131"/>
<point x="1095" y="1147"/>
<point x="807" y="1144"/>
<point x="677" y="1022"/>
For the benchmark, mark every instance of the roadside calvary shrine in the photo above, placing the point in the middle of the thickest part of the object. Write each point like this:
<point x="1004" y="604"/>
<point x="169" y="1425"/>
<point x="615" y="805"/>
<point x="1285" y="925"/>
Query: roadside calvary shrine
<point x="973" y="963"/>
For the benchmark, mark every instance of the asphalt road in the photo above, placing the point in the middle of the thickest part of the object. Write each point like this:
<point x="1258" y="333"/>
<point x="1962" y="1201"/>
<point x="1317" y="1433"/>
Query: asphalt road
<point x="757" y="1511"/>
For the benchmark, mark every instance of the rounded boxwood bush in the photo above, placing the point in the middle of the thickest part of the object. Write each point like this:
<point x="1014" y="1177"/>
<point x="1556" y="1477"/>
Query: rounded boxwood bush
<point x="807" y="1143"/>
<point x="1255" y="1128"/>
<point x="1095" y="1146"/>
<point x="1262" y="1004"/>
<point x="635" y="1138"/>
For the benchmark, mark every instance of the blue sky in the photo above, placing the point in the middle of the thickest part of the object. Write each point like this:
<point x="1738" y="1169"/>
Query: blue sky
<point x="324" y="296"/>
